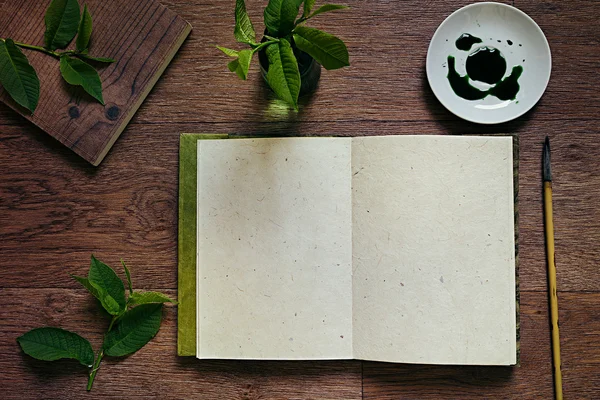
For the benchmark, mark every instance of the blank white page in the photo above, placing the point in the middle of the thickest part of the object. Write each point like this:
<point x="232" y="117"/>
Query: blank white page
<point x="274" y="249"/>
<point x="433" y="250"/>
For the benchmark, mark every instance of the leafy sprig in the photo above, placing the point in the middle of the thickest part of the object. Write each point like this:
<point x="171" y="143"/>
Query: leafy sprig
<point x="135" y="321"/>
<point x="285" y="32"/>
<point x="63" y="21"/>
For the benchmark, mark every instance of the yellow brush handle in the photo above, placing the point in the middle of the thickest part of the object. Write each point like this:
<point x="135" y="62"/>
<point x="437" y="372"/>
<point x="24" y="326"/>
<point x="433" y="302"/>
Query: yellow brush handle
<point x="552" y="287"/>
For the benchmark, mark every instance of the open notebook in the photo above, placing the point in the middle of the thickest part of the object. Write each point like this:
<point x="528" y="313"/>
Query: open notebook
<point x="397" y="248"/>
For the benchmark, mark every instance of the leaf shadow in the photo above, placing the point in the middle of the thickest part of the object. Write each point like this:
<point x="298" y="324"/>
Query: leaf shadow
<point x="98" y="65"/>
<point x="48" y="371"/>
<point x="19" y="108"/>
<point x="76" y="94"/>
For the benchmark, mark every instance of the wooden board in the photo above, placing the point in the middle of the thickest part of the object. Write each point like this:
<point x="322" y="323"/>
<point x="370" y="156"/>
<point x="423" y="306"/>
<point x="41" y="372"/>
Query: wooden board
<point x="57" y="209"/>
<point x="143" y="36"/>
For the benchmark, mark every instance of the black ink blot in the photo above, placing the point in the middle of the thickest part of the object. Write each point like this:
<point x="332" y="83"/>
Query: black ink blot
<point x="466" y="41"/>
<point x="486" y="64"/>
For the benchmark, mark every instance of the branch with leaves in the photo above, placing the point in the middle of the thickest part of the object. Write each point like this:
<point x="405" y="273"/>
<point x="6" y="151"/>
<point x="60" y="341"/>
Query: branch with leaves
<point x="285" y="32"/>
<point x="135" y="321"/>
<point x="64" y="21"/>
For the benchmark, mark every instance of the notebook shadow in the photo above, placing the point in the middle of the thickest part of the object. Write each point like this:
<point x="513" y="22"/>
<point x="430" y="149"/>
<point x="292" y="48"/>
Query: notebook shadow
<point x="454" y="125"/>
<point x="420" y="378"/>
<point x="417" y="380"/>
<point x="249" y="369"/>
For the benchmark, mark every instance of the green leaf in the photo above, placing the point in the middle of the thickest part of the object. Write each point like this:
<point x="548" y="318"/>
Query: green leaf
<point x="109" y="286"/>
<point x="17" y="76"/>
<point x="128" y="275"/>
<point x="280" y="16"/>
<point x="243" y="31"/>
<point x="134" y="330"/>
<point x="108" y="303"/>
<point x="328" y="50"/>
<point x="49" y="344"/>
<point x="283" y="75"/>
<point x="326" y="8"/>
<point x="229" y="52"/>
<point x="97" y="59"/>
<point x="62" y="21"/>
<point x="85" y="31"/>
<point x="138" y="298"/>
<point x="77" y="72"/>
<point x="234" y="66"/>
<point x="308" y="5"/>
<point x="241" y="65"/>
<point x="85" y="282"/>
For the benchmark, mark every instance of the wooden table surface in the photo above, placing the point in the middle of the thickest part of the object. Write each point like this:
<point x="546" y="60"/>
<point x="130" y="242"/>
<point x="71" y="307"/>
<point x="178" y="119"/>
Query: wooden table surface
<point x="55" y="209"/>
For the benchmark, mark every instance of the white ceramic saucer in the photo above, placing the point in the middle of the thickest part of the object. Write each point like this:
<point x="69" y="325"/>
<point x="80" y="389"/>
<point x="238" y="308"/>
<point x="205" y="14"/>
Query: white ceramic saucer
<point x="519" y="39"/>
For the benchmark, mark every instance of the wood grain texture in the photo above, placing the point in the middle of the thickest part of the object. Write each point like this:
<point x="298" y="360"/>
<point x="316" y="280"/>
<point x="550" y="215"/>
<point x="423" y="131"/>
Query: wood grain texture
<point x="142" y="36"/>
<point x="151" y="371"/>
<point x="48" y="202"/>
<point x="532" y="380"/>
<point x="56" y="209"/>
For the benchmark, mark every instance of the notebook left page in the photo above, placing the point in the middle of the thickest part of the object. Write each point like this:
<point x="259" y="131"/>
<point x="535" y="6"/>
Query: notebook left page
<point x="274" y="275"/>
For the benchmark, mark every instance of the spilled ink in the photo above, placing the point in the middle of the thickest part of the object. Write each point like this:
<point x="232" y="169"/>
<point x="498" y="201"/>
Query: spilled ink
<point x="485" y="64"/>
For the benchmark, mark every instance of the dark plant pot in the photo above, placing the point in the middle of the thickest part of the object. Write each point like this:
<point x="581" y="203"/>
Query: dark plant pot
<point x="310" y="70"/>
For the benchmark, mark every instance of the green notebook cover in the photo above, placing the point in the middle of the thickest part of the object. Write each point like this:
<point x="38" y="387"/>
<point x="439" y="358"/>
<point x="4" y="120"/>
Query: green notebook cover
<point x="186" y="280"/>
<point x="186" y="319"/>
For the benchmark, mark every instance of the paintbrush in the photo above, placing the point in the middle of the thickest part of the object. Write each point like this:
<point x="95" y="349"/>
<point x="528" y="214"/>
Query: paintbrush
<point x="549" y="231"/>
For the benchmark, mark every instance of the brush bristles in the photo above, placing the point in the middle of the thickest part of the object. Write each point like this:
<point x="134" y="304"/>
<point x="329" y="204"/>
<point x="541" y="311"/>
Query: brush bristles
<point x="546" y="170"/>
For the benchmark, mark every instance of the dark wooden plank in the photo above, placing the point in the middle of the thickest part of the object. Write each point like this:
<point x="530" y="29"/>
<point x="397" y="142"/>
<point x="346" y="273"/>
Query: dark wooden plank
<point x="131" y="213"/>
<point x="154" y="371"/>
<point x="579" y="317"/>
<point x="386" y="79"/>
<point x="570" y="29"/>
<point x="576" y="188"/>
<point x="142" y="36"/>
<point x="56" y="210"/>
<point x="388" y="44"/>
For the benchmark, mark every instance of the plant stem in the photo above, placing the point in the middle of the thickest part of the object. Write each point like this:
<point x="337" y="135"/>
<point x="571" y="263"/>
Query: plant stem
<point x="301" y="20"/>
<point x="94" y="370"/>
<point x="38" y="48"/>
<point x="112" y="322"/>
<point x="99" y="357"/>
<point x="265" y="44"/>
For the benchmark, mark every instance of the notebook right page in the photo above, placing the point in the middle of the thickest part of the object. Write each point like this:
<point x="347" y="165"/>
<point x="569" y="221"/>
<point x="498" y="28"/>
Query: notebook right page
<point x="433" y="250"/>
